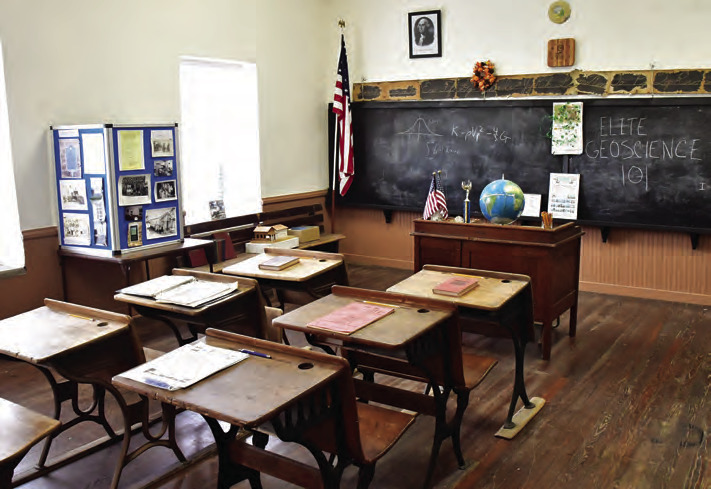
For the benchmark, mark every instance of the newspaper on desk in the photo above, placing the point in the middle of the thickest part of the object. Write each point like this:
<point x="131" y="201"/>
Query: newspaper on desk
<point x="184" y="366"/>
<point x="182" y="290"/>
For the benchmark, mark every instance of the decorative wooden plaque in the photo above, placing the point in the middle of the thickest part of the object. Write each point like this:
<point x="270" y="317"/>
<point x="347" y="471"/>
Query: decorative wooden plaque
<point x="561" y="52"/>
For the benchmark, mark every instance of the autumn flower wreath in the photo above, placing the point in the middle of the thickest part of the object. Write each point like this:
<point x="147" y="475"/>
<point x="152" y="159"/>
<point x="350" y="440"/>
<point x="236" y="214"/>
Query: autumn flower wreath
<point x="483" y="75"/>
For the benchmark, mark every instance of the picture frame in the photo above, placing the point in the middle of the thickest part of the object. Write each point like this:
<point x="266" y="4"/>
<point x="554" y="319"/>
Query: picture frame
<point x="424" y="32"/>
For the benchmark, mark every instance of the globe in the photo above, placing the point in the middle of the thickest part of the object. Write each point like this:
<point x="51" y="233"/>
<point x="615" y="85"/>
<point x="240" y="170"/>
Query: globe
<point x="501" y="201"/>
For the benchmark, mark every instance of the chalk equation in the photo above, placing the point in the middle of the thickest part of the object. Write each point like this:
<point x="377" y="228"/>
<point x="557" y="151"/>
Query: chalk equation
<point x="474" y="133"/>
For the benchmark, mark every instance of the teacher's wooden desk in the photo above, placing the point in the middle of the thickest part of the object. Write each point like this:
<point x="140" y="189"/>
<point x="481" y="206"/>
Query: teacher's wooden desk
<point x="420" y="341"/>
<point x="241" y="311"/>
<point x="84" y="346"/>
<point x="307" y="397"/>
<point x="313" y="276"/>
<point x="501" y="301"/>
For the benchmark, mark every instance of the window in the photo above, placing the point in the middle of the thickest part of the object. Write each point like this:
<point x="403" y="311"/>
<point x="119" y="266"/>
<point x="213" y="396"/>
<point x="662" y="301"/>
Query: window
<point x="12" y="253"/>
<point x="219" y="134"/>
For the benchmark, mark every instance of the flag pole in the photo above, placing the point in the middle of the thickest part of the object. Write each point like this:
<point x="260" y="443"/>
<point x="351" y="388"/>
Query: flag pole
<point x="342" y="25"/>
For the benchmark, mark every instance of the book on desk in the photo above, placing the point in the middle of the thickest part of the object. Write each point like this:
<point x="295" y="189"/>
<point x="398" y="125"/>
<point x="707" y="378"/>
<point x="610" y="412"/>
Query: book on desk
<point x="352" y="317"/>
<point x="279" y="262"/>
<point x="181" y="290"/>
<point x="456" y="286"/>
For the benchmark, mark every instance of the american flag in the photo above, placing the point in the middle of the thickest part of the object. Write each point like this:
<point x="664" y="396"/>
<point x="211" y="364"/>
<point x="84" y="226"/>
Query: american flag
<point x="342" y="109"/>
<point x="435" y="199"/>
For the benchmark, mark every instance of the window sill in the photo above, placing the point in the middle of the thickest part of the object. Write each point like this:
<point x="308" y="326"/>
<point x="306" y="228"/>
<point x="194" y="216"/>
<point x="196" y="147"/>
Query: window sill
<point x="7" y="272"/>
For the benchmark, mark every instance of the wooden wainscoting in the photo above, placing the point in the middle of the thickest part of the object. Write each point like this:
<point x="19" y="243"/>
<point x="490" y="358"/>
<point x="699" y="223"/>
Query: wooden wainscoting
<point x="635" y="263"/>
<point x="43" y="277"/>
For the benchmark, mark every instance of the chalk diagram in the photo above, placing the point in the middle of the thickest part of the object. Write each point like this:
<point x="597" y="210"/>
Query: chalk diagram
<point x="419" y="129"/>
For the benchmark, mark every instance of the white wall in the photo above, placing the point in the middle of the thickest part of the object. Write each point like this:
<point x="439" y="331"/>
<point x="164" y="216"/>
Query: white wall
<point x="609" y="35"/>
<point x="83" y="61"/>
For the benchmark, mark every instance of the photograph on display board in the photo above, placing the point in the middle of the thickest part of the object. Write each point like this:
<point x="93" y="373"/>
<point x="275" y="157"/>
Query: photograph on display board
<point x="76" y="229"/>
<point x="133" y="213"/>
<point x="99" y="211"/>
<point x="161" y="143"/>
<point x="161" y="223"/>
<point x="72" y="195"/>
<point x="165" y="190"/>
<point x="134" y="189"/>
<point x="69" y="158"/>
<point x="163" y="168"/>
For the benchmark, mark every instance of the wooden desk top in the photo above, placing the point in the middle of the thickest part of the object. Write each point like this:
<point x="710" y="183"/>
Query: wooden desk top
<point x="245" y="286"/>
<point x="392" y="331"/>
<point x="21" y="429"/>
<point x="254" y="390"/>
<point x="185" y="246"/>
<point x="57" y="327"/>
<point x="494" y="290"/>
<point x="311" y="264"/>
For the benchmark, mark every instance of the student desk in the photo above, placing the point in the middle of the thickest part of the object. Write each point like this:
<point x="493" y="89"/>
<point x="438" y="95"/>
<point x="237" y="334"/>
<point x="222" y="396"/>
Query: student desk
<point x="419" y="341"/>
<point x="314" y="275"/>
<point x="241" y="311"/>
<point x="307" y="398"/>
<point x="502" y="300"/>
<point x="551" y="257"/>
<point x="84" y="346"/>
<point x="21" y="429"/>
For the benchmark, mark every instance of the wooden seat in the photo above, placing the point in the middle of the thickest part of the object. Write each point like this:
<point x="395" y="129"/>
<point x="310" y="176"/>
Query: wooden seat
<point x="21" y="429"/>
<point x="328" y="420"/>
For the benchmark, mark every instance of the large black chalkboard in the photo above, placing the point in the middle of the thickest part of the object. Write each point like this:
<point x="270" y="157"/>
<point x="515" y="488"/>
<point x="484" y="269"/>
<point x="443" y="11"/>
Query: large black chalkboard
<point x="647" y="163"/>
<point x="397" y="146"/>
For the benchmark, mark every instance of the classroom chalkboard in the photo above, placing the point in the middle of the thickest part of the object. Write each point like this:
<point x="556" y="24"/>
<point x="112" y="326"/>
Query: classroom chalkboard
<point x="397" y="146"/>
<point x="645" y="162"/>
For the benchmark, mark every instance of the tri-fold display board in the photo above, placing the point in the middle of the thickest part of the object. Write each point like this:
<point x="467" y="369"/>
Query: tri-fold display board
<point x="118" y="187"/>
<point x="646" y="162"/>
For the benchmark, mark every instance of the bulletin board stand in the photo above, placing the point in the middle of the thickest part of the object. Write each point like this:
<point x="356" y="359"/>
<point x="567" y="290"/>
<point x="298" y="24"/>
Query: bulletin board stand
<point x="118" y="187"/>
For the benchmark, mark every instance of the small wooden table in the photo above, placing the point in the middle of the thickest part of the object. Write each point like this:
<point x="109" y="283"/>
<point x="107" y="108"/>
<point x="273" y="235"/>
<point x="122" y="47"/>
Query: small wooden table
<point x="22" y="428"/>
<point x="84" y="346"/>
<point x="242" y="311"/>
<point x="420" y="341"/>
<point x="502" y="300"/>
<point x="315" y="274"/>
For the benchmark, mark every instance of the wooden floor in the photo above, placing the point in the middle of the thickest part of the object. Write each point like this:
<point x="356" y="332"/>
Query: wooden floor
<point x="628" y="405"/>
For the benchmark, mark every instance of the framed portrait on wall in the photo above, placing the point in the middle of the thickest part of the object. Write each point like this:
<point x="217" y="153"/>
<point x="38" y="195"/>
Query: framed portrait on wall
<point x="425" y="34"/>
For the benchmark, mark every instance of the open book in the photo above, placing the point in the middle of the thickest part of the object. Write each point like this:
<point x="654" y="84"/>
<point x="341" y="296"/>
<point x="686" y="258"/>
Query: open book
<point x="184" y="366"/>
<point x="456" y="286"/>
<point x="182" y="290"/>
<point x="352" y="317"/>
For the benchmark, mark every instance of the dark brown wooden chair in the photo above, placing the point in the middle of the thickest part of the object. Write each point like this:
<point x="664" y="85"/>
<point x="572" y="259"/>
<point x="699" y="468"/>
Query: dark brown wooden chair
<point x="327" y="421"/>
<point x="21" y="429"/>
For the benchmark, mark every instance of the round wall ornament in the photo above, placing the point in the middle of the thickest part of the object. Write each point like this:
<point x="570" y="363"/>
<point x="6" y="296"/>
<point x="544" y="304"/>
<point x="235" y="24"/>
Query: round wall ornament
<point x="559" y="11"/>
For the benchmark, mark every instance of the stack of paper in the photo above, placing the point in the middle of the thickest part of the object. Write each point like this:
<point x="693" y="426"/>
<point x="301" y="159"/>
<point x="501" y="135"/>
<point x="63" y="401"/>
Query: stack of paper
<point x="184" y="366"/>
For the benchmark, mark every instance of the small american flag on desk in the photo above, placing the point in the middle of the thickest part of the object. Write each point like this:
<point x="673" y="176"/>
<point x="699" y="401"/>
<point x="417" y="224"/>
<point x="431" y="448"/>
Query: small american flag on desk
<point x="436" y="201"/>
